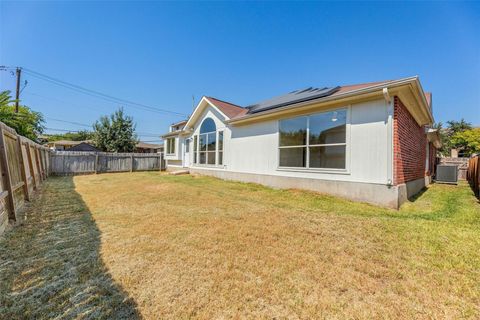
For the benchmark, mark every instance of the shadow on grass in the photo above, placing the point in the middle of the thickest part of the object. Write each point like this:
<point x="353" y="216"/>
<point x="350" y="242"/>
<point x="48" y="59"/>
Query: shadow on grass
<point x="418" y="195"/>
<point x="50" y="267"/>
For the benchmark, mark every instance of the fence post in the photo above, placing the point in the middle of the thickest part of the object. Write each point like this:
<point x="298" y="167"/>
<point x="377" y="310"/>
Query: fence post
<point x="37" y="161"/>
<point x="22" y="169"/>
<point x="96" y="163"/>
<point x="7" y="177"/>
<point x="131" y="162"/>
<point x="30" y="164"/>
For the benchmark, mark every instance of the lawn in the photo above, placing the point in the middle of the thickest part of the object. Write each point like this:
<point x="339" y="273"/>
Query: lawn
<point x="150" y="245"/>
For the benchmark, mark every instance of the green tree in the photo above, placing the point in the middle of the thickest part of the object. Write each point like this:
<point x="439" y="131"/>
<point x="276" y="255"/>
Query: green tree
<point x="73" y="136"/>
<point x="458" y="126"/>
<point x="26" y="122"/>
<point x="468" y="141"/>
<point x="115" y="133"/>
<point x="446" y="134"/>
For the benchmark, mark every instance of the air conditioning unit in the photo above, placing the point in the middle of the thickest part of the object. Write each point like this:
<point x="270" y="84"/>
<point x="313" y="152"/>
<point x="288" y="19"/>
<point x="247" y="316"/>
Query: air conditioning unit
<point x="446" y="174"/>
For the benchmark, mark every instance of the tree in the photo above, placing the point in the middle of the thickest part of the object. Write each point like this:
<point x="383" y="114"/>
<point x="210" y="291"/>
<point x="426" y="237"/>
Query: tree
<point x="115" y="133"/>
<point x="26" y="122"/>
<point x="73" y="136"/>
<point x="446" y="134"/>
<point x="468" y="141"/>
<point x="458" y="126"/>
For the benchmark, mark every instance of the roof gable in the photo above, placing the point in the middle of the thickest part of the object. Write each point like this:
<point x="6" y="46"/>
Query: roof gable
<point x="229" y="109"/>
<point x="226" y="110"/>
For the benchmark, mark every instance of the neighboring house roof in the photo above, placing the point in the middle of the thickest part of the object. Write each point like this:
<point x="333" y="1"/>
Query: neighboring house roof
<point x="229" y="109"/>
<point x="179" y="122"/>
<point x="143" y="145"/>
<point x="83" y="146"/>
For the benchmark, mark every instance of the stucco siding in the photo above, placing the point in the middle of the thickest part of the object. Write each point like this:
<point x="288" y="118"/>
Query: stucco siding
<point x="254" y="148"/>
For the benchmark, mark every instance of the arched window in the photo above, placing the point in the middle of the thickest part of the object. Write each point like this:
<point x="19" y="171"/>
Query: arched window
<point x="208" y="125"/>
<point x="208" y="143"/>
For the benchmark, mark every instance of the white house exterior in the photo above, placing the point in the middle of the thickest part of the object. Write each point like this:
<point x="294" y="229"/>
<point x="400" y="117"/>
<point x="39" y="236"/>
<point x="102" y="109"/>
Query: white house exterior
<point x="346" y="143"/>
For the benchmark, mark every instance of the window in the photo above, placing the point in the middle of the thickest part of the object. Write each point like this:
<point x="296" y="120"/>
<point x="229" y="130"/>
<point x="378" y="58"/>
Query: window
<point x="195" y="149"/>
<point x="210" y="146"/>
<point x="187" y="145"/>
<point x="315" y="141"/>
<point x="170" y="145"/>
<point x="220" y="147"/>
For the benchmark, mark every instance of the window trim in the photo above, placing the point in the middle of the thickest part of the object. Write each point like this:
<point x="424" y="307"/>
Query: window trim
<point x="169" y="151"/>
<point x="307" y="168"/>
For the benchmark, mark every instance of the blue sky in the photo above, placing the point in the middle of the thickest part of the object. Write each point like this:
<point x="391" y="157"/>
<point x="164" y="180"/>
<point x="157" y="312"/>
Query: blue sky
<point x="160" y="54"/>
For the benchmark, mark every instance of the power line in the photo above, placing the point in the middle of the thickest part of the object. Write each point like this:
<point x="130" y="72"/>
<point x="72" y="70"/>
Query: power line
<point x="68" y="130"/>
<point x="97" y="94"/>
<point x="71" y="122"/>
<point x="88" y="106"/>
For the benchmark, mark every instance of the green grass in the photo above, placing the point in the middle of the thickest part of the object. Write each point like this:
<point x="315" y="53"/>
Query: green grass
<point x="158" y="246"/>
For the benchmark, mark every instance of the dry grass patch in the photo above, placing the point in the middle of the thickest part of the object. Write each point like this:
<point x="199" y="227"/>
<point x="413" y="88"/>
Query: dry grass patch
<point x="199" y="247"/>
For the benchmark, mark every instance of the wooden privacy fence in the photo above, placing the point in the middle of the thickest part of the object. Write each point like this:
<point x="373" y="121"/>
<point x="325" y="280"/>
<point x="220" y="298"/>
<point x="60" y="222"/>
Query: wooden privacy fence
<point x="80" y="162"/>
<point x="24" y="164"/>
<point x="473" y="174"/>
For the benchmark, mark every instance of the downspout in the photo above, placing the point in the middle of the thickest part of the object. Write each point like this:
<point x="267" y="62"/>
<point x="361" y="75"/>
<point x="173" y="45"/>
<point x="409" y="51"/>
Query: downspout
<point x="389" y="114"/>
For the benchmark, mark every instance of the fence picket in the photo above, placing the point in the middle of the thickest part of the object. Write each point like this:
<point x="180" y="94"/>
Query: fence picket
<point x="17" y="173"/>
<point x="84" y="162"/>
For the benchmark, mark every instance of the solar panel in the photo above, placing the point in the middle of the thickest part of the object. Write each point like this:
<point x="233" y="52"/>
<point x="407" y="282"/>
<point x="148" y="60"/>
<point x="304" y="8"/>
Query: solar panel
<point x="291" y="98"/>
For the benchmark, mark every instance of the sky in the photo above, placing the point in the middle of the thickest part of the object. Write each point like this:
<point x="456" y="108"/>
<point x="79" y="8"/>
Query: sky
<point x="167" y="55"/>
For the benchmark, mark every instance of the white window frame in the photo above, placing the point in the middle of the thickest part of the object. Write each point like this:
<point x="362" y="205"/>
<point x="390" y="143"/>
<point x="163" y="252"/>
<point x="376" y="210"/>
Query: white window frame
<point x="169" y="151"/>
<point x="216" y="151"/>
<point x="307" y="168"/>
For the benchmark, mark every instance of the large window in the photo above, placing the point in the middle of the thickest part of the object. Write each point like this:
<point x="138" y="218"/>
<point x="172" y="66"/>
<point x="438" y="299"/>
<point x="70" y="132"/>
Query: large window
<point x="315" y="141"/>
<point x="207" y="144"/>
<point x="170" y="145"/>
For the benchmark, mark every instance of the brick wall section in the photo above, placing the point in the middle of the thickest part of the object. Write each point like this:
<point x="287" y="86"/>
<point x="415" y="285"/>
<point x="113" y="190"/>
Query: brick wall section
<point x="409" y="145"/>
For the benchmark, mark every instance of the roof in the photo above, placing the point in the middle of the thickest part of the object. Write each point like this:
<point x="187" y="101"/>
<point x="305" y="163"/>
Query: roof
<point x="179" y="122"/>
<point x="143" y="145"/>
<point x="291" y="98"/>
<point x="83" y="146"/>
<point x="234" y="111"/>
<point x="229" y="109"/>
<point x="353" y="87"/>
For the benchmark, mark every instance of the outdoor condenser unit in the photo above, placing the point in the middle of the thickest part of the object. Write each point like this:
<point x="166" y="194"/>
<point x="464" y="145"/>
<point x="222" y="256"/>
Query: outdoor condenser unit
<point x="447" y="173"/>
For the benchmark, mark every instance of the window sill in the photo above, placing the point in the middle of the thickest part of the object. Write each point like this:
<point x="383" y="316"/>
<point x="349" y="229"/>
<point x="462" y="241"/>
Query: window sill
<point x="329" y="171"/>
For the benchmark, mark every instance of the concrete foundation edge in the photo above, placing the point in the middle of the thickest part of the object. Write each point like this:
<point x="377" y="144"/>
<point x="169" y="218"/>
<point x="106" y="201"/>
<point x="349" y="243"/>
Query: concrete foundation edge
<point x="377" y="194"/>
<point x="411" y="188"/>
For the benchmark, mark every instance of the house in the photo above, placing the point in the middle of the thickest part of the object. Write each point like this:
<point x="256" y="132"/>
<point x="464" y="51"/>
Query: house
<point x="143" y="147"/>
<point x="83" y="146"/>
<point x="368" y="142"/>
<point x="68" y="145"/>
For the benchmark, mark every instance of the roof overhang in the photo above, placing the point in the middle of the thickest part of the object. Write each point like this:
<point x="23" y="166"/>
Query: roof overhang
<point x="409" y="90"/>
<point x="433" y="136"/>
<point x="177" y="133"/>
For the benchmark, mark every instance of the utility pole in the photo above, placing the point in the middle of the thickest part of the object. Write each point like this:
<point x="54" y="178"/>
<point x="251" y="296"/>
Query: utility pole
<point x="17" y="95"/>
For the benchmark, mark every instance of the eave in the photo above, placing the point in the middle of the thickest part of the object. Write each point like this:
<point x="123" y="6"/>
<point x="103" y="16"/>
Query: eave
<point x="409" y="91"/>
<point x="176" y="133"/>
